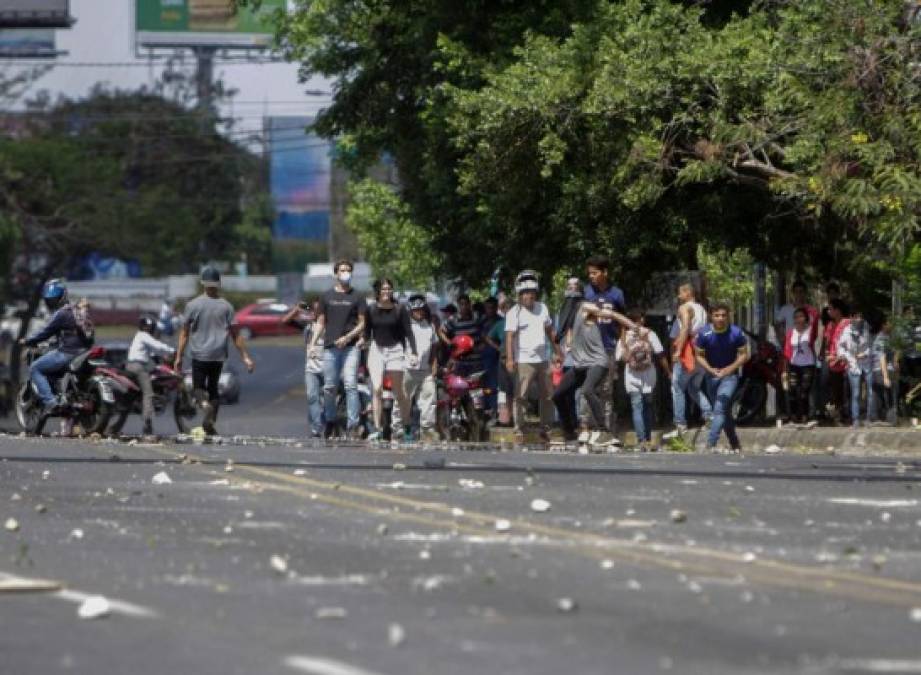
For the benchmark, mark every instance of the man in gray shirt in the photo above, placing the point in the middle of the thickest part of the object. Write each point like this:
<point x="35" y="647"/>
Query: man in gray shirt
<point x="207" y="327"/>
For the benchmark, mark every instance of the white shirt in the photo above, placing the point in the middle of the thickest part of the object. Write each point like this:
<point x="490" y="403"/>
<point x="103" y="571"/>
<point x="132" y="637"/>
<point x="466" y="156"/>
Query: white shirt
<point x="144" y="346"/>
<point x="643" y="381"/>
<point x="803" y="353"/>
<point x="424" y="334"/>
<point x="529" y="326"/>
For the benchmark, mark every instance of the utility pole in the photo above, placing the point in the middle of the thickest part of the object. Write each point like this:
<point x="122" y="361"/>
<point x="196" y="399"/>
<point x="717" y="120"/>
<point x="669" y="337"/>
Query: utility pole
<point x="204" y="79"/>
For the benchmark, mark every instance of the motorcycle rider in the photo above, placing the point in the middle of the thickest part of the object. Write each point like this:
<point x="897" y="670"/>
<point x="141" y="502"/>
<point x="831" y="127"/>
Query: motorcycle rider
<point x="71" y="325"/>
<point x="207" y="323"/>
<point x="144" y="346"/>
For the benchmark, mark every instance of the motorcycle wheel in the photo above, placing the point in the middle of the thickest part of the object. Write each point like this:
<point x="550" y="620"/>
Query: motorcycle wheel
<point x="748" y="402"/>
<point x="97" y="421"/>
<point x="473" y="422"/>
<point x="28" y="410"/>
<point x="186" y="411"/>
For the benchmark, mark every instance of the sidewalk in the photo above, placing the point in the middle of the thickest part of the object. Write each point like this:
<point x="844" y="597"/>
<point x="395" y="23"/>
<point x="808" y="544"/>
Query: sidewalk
<point x="876" y="441"/>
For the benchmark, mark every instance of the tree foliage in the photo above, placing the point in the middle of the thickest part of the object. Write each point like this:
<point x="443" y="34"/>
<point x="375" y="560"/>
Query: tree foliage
<point x="539" y="132"/>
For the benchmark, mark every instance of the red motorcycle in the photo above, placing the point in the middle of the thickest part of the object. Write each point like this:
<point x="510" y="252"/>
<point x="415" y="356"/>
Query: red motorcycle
<point x="461" y="414"/>
<point x="765" y="367"/>
<point x="170" y="394"/>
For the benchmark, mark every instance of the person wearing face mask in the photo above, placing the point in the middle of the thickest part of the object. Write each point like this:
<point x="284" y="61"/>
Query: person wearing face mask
<point x="389" y="333"/>
<point x="854" y="349"/>
<point x="341" y="322"/>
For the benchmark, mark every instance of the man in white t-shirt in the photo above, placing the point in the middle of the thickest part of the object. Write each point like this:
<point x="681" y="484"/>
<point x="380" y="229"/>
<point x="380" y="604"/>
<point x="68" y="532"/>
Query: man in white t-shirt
<point x="528" y="328"/>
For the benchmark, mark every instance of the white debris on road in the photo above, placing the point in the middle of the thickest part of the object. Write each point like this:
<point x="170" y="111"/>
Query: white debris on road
<point x="566" y="605"/>
<point x="678" y="516"/>
<point x="278" y="564"/>
<point x="470" y="484"/>
<point x="540" y="505"/>
<point x="161" y="478"/>
<point x="11" y="525"/>
<point x="76" y="533"/>
<point x="331" y="613"/>
<point x="503" y="525"/>
<point x="94" y="607"/>
<point x="396" y="635"/>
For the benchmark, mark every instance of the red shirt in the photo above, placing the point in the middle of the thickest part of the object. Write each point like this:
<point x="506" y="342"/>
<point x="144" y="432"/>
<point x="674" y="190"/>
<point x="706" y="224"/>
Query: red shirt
<point x="833" y="332"/>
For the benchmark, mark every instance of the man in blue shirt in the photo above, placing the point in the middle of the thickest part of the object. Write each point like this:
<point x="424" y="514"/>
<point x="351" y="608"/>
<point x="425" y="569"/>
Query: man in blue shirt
<point x="608" y="297"/>
<point x="722" y="350"/>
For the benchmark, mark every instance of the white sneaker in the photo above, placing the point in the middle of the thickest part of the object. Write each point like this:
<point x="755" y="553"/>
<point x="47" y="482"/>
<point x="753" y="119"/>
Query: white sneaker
<point x="584" y="436"/>
<point x="594" y="438"/>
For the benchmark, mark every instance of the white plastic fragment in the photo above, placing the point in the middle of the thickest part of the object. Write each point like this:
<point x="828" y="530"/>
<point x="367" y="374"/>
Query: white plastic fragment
<point x="46" y="474"/>
<point x="161" y="478"/>
<point x="457" y="512"/>
<point x="566" y="605"/>
<point x="915" y="614"/>
<point x="540" y="505"/>
<point x="15" y="497"/>
<point x="749" y="557"/>
<point x="11" y="525"/>
<point x="94" y="607"/>
<point x="331" y="613"/>
<point x="885" y="516"/>
<point x="773" y="450"/>
<point x="678" y="516"/>
<point x="76" y="533"/>
<point x="749" y="488"/>
<point x="399" y="466"/>
<point x="278" y="564"/>
<point x="470" y="484"/>
<point x="300" y="472"/>
<point x="607" y="564"/>
<point x="396" y="635"/>
<point x="503" y="525"/>
<point x="634" y="585"/>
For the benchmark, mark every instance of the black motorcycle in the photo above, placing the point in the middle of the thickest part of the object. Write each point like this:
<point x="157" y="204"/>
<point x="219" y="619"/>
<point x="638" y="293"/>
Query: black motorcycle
<point x="85" y="394"/>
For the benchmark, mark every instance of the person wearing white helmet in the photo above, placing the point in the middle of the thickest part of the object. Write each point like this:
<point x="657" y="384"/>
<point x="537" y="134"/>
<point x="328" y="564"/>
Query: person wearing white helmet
<point x="528" y="327"/>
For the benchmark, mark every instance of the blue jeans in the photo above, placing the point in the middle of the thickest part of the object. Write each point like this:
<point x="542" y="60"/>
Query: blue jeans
<point x="690" y="383"/>
<point x="51" y="363"/>
<point x="642" y="415"/>
<point x="341" y="364"/>
<point x="313" y="383"/>
<point x="854" y="381"/>
<point x="721" y="392"/>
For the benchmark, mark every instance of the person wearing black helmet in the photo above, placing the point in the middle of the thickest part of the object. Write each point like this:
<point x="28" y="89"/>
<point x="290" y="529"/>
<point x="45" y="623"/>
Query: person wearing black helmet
<point x="144" y="346"/>
<point x="71" y="326"/>
<point x="207" y="326"/>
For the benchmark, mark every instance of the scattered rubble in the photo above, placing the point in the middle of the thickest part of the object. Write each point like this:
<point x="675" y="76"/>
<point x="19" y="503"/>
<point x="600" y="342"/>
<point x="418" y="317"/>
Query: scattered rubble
<point x="94" y="607"/>
<point x="279" y="564"/>
<point x="11" y="525"/>
<point x="540" y="505"/>
<point x="161" y="478"/>
<point x="566" y="605"/>
<point x="396" y="635"/>
<point x="503" y="525"/>
<point x="331" y="613"/>
<point x="678" y="516"/>
<point x="470" y="484"/>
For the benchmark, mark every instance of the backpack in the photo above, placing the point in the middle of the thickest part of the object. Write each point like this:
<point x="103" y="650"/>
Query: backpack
<point x="638" y="350"/>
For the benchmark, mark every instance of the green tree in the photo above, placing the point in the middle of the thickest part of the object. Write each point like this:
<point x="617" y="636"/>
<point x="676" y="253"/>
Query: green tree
<point x="394" y="245"/>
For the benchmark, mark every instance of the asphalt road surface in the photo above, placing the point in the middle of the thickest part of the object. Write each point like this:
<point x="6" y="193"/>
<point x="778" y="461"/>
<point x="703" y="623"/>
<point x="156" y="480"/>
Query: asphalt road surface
<point x="355" y="560"/>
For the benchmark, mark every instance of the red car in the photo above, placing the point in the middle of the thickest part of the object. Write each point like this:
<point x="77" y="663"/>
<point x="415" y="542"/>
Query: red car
<point x="263" y="318"/>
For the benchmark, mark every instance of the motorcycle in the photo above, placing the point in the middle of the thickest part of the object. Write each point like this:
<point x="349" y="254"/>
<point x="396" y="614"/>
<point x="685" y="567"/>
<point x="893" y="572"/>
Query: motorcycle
<point x="171" y="393"/>
<point x="765" y="367"/>
<point x="461" y="404"/>
<point x="84" y="387"/>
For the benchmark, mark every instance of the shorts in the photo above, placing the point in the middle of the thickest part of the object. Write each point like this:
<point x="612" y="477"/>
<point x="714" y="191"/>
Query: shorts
<point x="384" y="360"/>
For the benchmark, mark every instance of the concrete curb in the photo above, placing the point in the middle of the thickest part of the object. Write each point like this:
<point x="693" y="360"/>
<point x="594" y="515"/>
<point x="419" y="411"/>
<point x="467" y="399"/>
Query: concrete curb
<point x="839" y="440"/>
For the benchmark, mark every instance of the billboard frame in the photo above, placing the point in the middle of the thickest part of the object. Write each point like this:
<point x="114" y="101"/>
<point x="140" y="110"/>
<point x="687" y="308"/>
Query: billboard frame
<point x="151" y="40"/>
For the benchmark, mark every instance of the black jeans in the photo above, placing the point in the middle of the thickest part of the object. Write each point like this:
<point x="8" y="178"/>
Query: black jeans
<point x="589" y="380"/>
<point x="801" y="378"/>
<point x="205" y="377"/>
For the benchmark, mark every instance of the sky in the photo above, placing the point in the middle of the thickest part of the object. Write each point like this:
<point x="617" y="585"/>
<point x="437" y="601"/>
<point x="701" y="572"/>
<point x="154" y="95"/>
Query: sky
<point x="104" y="34"/>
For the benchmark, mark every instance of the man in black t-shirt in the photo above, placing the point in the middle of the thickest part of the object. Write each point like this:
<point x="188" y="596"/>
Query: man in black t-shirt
<point x="341" y="321"/>
<point x="465" y="323"/>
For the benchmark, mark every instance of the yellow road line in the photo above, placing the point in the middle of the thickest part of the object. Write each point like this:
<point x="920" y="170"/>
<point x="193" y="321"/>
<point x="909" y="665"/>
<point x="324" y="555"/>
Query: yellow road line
<point x="676" y="557"/>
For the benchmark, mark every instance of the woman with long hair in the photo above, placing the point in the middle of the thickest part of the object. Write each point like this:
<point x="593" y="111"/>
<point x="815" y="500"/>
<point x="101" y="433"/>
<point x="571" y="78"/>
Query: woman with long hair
<point x="389" y="332"/>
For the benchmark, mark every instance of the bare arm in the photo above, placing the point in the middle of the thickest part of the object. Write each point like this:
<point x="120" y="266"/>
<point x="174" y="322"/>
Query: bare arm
<point x="550" y="332"/>
<point x="240" y="344"/>
<point x="180" y="348"/>
<point x="593" y="310"/>
<point x="684" y="317"/>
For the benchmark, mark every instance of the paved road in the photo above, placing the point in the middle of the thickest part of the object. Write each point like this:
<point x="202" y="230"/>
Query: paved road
<point x="784" y="565"/>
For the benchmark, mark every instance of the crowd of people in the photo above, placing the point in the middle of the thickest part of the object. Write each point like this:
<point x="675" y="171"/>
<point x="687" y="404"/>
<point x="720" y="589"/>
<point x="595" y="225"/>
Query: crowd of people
<point x="566" y="367"/>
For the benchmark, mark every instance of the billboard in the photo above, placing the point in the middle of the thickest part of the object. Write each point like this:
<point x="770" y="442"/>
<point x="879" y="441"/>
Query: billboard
<point x="27" y="42"/>
<point x="205" y="23"/>
<point x="300" y="171"/>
